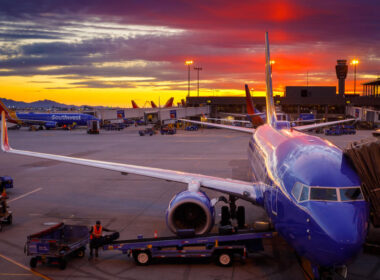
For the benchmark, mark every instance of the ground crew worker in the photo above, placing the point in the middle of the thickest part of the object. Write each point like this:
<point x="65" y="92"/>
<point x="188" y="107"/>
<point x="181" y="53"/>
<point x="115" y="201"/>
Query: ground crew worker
<point x="3" y="199"/>
<point x="95" y="237"/>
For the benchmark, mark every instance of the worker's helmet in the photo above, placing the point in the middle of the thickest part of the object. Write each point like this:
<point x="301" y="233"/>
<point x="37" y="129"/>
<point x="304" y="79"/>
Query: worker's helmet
<point x="98" y="222"/>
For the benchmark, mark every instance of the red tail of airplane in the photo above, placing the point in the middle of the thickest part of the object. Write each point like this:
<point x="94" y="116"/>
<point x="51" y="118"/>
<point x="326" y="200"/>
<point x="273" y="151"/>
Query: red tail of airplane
<point x="169" y="103"/>
<point x="253" y="114"/>
<point x="153" y="104"/>
<point x="134" y="105"/>
<point x="183" y="102"/>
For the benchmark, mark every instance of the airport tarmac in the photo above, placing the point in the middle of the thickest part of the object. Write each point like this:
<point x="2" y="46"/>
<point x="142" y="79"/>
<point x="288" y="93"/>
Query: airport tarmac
<point x="47" y="192"/>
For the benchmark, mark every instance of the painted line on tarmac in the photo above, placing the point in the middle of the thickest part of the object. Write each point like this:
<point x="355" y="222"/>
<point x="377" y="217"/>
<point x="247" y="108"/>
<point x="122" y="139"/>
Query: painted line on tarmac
<point x="25" y="194"/>
<point x="24" y="267"/>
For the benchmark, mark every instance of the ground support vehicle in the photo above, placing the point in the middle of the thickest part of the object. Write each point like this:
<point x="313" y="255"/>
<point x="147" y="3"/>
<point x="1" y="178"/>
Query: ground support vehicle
<point x="6" y="182"/>
<point x="55" y="244"/>
<point x="113" y="126"/>
<point x="221" y="247"/>
<point x="93" y="127"/>
<point x="146" y="131"/>
<point x="168" y="130"/>
<point x="191" y="128"/>
<point x="349" y="129"/>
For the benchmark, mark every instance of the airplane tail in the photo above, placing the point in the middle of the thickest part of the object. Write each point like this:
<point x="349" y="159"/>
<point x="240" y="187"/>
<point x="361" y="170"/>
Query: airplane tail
<point x="271" y="109"/>
<point x="248" y="98"/>
<point x="134" y="105"/>
<point x="4" y="133"/>
<point x="183" y="102"/>
<point x="153" y="104"/>
<point x="169" y="103"/>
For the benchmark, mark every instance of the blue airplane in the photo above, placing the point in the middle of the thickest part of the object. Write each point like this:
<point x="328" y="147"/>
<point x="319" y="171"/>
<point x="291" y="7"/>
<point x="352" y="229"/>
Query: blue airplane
<point x="47" y="120"/>
<point x="307" y="187"/>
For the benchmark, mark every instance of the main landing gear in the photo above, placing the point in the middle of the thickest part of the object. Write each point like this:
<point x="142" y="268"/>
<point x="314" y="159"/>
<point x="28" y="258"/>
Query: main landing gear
<point x="232" y="214"/>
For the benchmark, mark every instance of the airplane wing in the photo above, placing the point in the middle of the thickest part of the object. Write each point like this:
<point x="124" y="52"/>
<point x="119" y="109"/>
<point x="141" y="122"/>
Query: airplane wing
<point x="231" y="127"/>
<point x="245" y="190"/>
<point x="318" y="125"/>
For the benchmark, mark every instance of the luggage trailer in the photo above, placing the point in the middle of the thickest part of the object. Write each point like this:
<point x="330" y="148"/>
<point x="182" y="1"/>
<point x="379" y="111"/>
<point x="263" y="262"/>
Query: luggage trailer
<point x="221" y="247"/>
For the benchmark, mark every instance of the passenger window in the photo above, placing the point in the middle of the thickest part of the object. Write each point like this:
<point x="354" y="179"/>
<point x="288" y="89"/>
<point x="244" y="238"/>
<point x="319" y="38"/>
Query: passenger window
<point x="297" y="190"/>
<point x="351" y="194"/>
<point x="304" y="194"/>
<point x="328" y="194"/>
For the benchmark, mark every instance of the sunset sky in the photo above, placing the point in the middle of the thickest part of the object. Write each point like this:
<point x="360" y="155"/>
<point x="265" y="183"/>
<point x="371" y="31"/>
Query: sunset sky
<point x="109" y="52"/>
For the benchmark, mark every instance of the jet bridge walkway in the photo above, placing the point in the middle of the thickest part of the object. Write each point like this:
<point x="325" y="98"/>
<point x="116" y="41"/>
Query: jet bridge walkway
<point x="365" y="156"/>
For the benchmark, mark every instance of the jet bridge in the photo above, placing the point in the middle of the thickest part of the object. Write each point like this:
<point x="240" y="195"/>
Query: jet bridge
<point x="365" y="155"/>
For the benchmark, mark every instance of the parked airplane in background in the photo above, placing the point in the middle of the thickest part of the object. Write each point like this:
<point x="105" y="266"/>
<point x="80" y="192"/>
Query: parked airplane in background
<point x="47" y="120"/>
<point x="168" y="103"/>
<point x="134" y="105"/>
<point x="308" y="188"/>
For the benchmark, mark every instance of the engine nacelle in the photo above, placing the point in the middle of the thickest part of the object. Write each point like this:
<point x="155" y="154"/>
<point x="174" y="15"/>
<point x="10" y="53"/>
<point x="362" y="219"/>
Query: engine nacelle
<point x="190" y="210"/>
<point x="50" y="124"/>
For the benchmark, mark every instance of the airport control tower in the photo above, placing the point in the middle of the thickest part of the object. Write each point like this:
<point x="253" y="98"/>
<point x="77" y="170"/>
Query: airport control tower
<point x="341" y="73"/>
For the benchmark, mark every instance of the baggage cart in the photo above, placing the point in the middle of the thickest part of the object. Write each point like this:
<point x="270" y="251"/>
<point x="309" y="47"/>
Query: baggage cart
<point x="55" y="244"/>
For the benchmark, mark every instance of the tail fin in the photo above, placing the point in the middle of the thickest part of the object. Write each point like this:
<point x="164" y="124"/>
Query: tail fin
<point x="169" y="103"/>
<point x="134" y="105"/>
<point x="183" y="102"/>
<point x="271" y="110"/>
<point x="4" y="133"/>
<point x="248" y="98"/>
<point x="153" y="104"/>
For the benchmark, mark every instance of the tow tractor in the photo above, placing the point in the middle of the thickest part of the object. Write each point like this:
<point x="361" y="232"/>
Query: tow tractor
<point x="222" y="247"/>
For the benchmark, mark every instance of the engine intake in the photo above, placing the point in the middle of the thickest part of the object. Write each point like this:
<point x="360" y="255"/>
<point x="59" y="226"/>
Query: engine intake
<point x="190" y="210"/>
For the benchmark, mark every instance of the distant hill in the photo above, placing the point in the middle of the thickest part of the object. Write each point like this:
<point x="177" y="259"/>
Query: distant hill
<point x="45" y="104"/>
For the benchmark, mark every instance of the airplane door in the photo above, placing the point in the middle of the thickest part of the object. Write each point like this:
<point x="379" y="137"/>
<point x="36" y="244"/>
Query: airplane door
<point x="274" y="196"/>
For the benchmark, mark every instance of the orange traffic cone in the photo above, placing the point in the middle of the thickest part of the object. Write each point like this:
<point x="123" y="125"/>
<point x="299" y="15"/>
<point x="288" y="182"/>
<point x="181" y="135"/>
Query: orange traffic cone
<point x="155" y="234"/>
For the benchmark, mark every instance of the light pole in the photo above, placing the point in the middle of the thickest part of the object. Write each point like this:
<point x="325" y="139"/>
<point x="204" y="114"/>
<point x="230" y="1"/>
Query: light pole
<point x="198" y="69"/>
<point x="354" y="62"/>
<point x="188" y="63"/>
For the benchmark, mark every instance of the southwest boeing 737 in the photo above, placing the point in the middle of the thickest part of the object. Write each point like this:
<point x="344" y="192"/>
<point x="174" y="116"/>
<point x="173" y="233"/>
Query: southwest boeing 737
<point x="307" y="187"/>
<point x="47" y="120"/>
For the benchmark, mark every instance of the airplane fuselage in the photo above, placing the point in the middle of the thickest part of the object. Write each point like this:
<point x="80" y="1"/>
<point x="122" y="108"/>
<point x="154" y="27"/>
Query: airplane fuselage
<point x="59" y="119"/>
<point x="313" y="198"/>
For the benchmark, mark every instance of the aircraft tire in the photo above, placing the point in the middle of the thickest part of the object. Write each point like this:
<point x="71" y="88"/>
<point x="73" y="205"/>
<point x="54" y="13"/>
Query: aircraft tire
<point x="225" y="216"/>
<point x="241" y="217"/>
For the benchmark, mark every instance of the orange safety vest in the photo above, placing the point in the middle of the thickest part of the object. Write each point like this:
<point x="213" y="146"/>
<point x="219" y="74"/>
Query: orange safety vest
<point x="96" y="232"/>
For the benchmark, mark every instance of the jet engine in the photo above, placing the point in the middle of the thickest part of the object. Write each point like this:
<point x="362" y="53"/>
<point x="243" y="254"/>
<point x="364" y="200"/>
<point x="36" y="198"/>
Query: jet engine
<point x="190" y="210"/>
<point x="50" y="125"/>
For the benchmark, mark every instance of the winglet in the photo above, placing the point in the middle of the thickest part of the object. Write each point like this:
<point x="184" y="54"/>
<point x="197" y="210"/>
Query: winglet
<point x="4" y="134"/>
<point x="271" y="110"/>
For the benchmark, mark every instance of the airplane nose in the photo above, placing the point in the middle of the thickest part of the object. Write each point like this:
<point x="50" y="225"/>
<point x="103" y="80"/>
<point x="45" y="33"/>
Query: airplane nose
<point x="342" y="232"/>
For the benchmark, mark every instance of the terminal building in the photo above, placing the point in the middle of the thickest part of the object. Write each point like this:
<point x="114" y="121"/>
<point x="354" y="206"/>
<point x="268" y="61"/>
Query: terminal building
<point x="322" y="101"/>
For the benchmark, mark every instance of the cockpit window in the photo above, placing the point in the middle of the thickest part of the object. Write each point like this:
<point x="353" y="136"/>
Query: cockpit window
<point x="297" y="190"/>
<point x="305" y="193"/>
<point x="328" y="194"/>
<point x="351" y="194"/>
